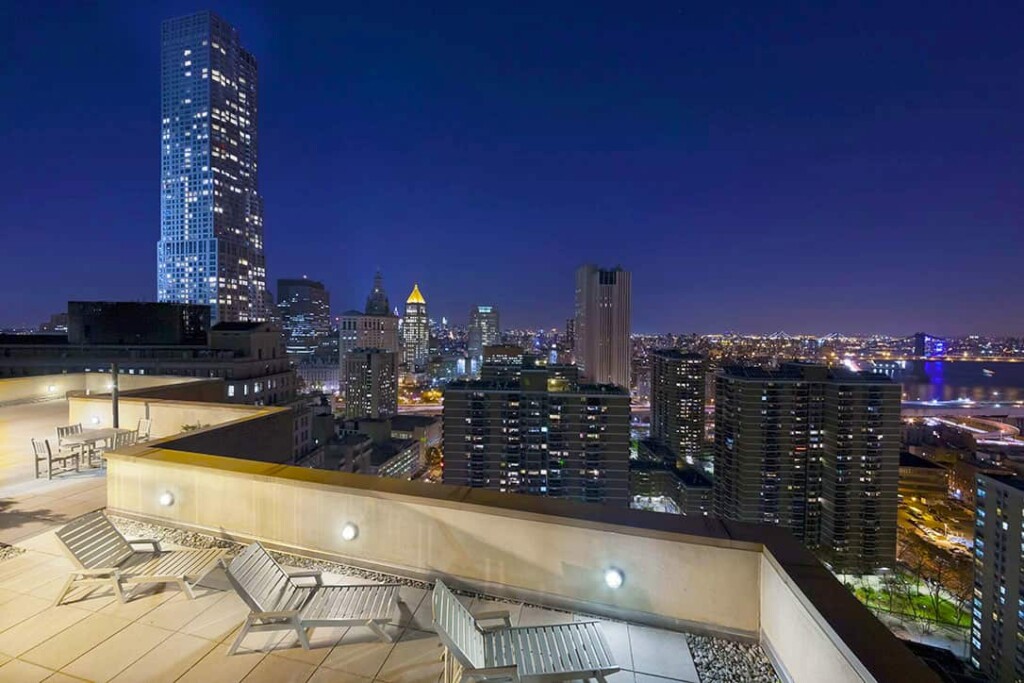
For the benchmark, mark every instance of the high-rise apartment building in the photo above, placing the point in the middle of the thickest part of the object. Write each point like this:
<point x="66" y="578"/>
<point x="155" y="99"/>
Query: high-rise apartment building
<point x="484" y="330"/>
<point x="211" y="213"/>
<point x="601" y="330"/>
<point x="677" y="403"/>
<point x="371" y="383"/>
<point x="415" y="332"/>
<point x="502" y="363"/>
<point x="544" y="435"/>
<point x="997" y="631"/>
<point x="813" y="449"/>
<point x="305" y="310"/>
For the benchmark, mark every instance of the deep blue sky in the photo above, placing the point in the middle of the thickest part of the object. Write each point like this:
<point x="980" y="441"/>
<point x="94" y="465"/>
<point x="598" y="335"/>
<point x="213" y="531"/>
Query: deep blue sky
<point x="758" y="168"/>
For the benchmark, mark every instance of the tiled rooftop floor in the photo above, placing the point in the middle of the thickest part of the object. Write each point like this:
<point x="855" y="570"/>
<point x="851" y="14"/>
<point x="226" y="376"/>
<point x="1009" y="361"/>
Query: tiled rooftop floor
<point x="162" y="636"/>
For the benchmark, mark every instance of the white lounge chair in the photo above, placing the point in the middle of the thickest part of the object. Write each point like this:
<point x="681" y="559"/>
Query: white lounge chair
<point x="103" y="556"/>
<point x="278" y="602"/>
<point x="536" y="653"/>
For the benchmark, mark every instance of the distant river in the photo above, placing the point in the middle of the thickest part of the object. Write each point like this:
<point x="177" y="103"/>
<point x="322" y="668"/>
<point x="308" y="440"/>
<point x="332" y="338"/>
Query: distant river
<point x="952" y="380"/>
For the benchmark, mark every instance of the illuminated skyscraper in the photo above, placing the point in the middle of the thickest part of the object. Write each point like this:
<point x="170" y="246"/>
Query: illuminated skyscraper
<point x="601" y="330"/>
<point x="484" y="330"/>
<point x="371" y="383"/>
<point x="211" y="213"/>
<point x="415" y="332"/>
<point x="540" y="433"/>
<point x="813" y="449"/>
<point x="677" y="403"/>
<point x="305" y="310"/>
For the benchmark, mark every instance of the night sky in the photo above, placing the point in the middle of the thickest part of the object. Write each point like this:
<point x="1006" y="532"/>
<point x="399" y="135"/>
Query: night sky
<point x="757" y="168"/>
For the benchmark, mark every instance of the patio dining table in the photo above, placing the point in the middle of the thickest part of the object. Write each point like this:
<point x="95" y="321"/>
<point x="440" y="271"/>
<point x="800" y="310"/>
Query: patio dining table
<point x="89" y="437"/>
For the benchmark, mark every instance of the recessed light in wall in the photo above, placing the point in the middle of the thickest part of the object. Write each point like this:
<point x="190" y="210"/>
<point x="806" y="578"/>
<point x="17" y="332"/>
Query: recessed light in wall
<point x="614" y="578"/>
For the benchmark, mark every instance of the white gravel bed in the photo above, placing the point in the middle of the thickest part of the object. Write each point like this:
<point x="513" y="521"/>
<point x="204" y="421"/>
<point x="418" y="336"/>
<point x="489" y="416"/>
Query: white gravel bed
<point x="9" y="551"/>
<point x="727" y="661"/>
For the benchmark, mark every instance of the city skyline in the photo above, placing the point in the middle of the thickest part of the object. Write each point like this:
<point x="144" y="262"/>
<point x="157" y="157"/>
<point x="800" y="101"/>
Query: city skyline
<point x="846" y="227"/>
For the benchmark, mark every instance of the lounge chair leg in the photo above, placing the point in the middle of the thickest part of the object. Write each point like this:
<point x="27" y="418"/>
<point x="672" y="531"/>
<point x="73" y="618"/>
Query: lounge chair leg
<point x="241" y="636"/>
<point x="381" y="633"/>
<point x="600" y="678"/>
<point x="64" y="591"/>
<point x="301" y="633"/>
<point x="117" y="590"/>
<point x="187" y="589"/>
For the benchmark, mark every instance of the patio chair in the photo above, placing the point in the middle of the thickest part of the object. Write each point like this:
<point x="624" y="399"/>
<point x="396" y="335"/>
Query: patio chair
<point x="279" y="602"/>
<point x="48" y="463"/>
<point x="119" y="440"/>
<point x="68" y="448"/>
<point x="550" y="653"/>
<point x="103" y="556"/>
<point x="144" y="428"/>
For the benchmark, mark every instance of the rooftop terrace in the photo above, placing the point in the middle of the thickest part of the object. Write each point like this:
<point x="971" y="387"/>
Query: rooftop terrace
<point x="685" y="579"/>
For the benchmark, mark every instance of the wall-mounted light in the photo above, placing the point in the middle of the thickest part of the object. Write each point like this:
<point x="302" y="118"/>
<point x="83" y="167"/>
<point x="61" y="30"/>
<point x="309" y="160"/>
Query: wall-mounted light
<point x="95" y="420"/>
<point x="52" y="388"/>
<point x="614" y="578"/>
<point x="349" y="531"/>
<point x="166" y="499"/>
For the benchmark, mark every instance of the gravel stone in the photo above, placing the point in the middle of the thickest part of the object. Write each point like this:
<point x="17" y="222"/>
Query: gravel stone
<point x="9" y="551"/>
<point x="726" y="661"/>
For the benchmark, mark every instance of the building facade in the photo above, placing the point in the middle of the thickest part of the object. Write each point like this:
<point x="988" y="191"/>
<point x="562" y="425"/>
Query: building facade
<point x="677" y="403"/>
<point x="997" y="631"/>
<point x="371" y="383"/>
<point x="248" y="357"/>
<point x="304" y="307"/>
<point x="415" y="332"/>
<point x="502" y="363"/>
<point x="211" y="213"/>
<point x="484" y="330"/>
<point x="813" y="449"/>
<point x="602" y="325"/>
<point x="543" y="435"/>
<point x="128" y="323"/>
<point x="921" y="480"/>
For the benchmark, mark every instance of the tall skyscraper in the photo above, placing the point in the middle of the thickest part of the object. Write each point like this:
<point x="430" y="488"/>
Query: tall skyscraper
<point x="371" y="383"/>
<point x="997" y="632"/>
<point x="484" y="330"/>
<point x="601" y="330"/>
<point x="377" y="302"/>
<point x="677" y="403"/>
<point x="211" y="213"/>
<point x="813" y="449"/>
<point x="376" y="328"/>
<point x="305" y="309"/>
<point x="415" y="332"/>
<point x="544" y="435"/>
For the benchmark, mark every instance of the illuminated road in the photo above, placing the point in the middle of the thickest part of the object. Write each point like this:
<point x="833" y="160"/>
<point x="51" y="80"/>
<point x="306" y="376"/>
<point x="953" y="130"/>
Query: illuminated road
<point x="962" y="408"/>
<point x="421" y="409"/>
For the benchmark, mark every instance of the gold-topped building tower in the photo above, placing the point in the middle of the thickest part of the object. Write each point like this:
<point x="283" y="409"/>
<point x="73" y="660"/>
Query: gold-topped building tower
<point x="415" y="332"/>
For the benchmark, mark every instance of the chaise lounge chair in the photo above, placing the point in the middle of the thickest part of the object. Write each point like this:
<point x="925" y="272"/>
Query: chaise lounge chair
<point x="557" y="652"/>
<point x="279" y="602"/>
<point x="103" y="556"/>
